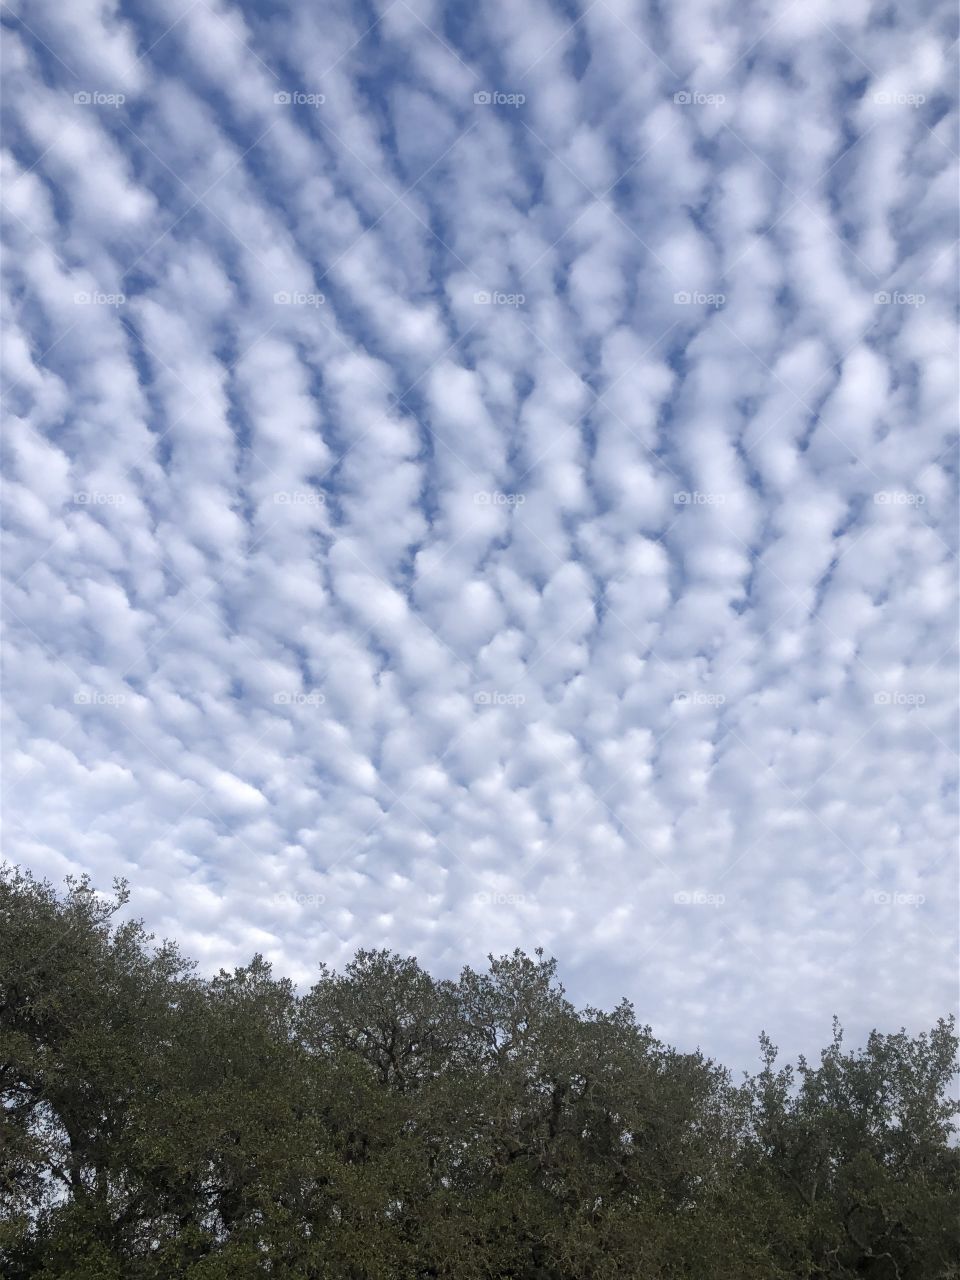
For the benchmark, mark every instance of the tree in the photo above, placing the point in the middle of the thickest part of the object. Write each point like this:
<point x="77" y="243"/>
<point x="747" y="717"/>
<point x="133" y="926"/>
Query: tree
<point x="83" y="1004"/>
<point x="386" y="1125"/>
<point x="858" y="1156"/>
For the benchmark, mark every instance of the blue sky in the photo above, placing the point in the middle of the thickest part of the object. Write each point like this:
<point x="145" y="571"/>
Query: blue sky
<point x="482" y="476"/>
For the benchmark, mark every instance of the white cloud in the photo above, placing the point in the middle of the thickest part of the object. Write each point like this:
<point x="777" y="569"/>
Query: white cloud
<point x="454" y="524"/>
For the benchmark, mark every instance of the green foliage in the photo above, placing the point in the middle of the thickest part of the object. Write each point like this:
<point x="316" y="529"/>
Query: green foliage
<point x="388" y="1126"/>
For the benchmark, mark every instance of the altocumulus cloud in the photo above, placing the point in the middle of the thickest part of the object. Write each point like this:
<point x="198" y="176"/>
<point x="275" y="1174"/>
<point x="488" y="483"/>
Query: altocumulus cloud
<point x="483" y="475"/>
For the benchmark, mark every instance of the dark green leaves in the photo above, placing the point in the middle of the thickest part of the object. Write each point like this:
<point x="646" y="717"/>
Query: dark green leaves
<point x="389" y="1126"/>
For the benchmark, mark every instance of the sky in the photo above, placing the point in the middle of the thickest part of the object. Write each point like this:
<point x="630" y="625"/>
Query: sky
<point x="482" y="476"/>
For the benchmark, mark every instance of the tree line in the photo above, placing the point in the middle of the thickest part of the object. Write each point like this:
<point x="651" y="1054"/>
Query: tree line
<point x="386" y="1125"/>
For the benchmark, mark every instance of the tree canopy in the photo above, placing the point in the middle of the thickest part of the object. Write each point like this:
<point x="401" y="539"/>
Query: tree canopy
<point x="387" y="1125"/>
